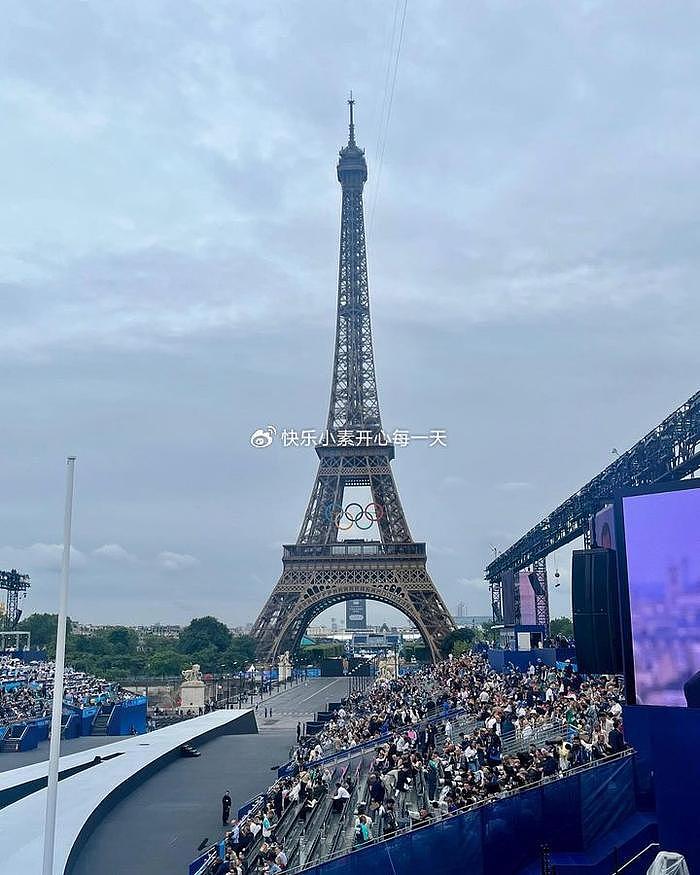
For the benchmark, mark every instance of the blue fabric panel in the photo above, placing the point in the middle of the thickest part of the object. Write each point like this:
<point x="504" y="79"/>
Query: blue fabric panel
<point x="455" y="843"/>
<point x="675" y="736"/>
<point x="607" y="798"/>
<point x="511" y="832"/>
<point x="561" y="821"/>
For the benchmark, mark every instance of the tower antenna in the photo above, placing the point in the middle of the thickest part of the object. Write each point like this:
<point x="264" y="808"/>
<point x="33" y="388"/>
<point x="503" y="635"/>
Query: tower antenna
<point x="351" y="104"/>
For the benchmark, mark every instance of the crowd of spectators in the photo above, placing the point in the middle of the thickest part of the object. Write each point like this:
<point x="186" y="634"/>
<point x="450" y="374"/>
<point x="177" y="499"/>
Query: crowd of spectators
<point x="515" y="702"/>
<point x="26" y="689"/>
<point x="424" y="770"/>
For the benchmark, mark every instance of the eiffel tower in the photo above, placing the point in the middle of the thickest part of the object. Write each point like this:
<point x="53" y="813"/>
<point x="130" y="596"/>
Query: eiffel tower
<point x="320" y="570"/>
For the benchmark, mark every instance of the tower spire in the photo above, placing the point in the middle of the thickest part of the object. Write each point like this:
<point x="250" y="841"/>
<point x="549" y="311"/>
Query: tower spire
<point x="351" y="104"/>
<point x="353" y="402"/>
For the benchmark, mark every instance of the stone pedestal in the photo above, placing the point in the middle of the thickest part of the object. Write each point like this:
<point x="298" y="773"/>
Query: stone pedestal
<point x="192" y="690"/>
<point x="284" y="667"/>
<point x="192" y="696"/>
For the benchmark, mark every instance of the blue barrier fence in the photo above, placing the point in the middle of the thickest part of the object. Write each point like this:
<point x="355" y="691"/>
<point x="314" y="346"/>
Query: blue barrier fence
<point x="248" y="806"/>
<point x="200" y="864"/>
<point x="127" y="715"/>
<point x="564" y="653"/>
<point x="87" y="716"/>
<point x="502" y="660"/>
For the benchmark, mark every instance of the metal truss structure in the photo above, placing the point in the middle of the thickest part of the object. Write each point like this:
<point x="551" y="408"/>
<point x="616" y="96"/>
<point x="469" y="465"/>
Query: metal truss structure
<point x="671" y="451"/>
<point x="539" y="568"/>
<point x="16" y="586"/>
<point x="320" y="569"/>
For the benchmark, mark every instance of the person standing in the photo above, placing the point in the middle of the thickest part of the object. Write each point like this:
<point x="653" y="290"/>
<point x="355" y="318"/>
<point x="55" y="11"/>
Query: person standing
<point x="267" y="825"/>
<point x="225" y="807"/>
<point x="298" y="731"/>
<point x="616" y="741"/>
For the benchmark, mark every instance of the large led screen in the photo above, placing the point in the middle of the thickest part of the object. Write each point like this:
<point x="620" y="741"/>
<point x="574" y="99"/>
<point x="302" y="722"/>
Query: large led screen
<point x="528" y="612"/>
<point x="662" y="547"/>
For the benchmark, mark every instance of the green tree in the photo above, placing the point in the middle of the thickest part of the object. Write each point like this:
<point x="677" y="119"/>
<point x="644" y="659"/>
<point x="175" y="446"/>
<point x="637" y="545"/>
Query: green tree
<point x="460" y="647"/>
<point x="203" y="633"/>
<point x="42" y="629"/>
<point x="464" y="636"/>
<point x="241" y="651"/>
<point x="562" y="626"/>
<point x="321" y="650"/>
<point x="416" y="649"/>
<point x="167" y="662"/>
<point x="97" y="645"/>
<point x="122" y="640"/>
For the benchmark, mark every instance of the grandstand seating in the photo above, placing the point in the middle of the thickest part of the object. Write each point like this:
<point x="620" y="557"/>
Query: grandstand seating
<point x="92" y="706"/>
<point x="529" y="731"/>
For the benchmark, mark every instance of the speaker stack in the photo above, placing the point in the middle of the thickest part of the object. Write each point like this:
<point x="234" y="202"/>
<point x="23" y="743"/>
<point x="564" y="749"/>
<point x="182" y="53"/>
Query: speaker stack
<point x="596" y="609"/>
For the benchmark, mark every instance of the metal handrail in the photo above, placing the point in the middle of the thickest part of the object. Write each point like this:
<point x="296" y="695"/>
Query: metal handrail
<point x="619" y="869"/>
<point x="507" y="794"/>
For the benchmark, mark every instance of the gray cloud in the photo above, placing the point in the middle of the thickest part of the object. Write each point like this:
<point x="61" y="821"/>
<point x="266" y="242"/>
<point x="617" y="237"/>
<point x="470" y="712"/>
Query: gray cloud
<point x="169" y="258"/>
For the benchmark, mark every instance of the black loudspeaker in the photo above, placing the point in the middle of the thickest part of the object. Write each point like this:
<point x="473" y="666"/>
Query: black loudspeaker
<point x="596" y="608"/>
<point x="535" y="583"/>
<point x="508" y="595"/>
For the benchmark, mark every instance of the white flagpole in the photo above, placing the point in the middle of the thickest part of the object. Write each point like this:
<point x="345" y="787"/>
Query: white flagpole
<point x="57" y="708"/>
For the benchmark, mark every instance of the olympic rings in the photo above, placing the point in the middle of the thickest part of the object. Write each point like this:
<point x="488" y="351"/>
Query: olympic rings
<point x="354" y="514"/>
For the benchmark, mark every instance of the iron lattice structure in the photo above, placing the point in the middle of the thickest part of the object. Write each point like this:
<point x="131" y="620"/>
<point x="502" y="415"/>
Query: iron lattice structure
<point x="16" y="586"/>
<point x="539" y="567"/>
<point x="320" y="570"/>
<point x="671" y="451"/>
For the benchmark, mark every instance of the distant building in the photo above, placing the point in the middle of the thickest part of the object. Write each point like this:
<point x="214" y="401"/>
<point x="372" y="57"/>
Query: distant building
<point x="158" y="630"/>
<point x="355" y="614"/>
<point x="471" y="621"/>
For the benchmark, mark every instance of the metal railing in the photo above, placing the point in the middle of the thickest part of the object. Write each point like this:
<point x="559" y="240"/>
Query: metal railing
<point x="348" y="550"/>
<point x="348" y="753"/>
<point x="638" y="856"/>
<point x="514" y="741"/>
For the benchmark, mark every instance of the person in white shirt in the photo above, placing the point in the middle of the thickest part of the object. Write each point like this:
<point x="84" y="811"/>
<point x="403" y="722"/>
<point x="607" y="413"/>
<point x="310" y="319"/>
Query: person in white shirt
<point x="340" y="798"/>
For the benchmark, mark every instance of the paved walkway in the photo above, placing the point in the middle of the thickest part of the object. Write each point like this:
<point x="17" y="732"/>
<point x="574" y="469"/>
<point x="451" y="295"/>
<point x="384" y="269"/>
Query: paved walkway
<point x="299" y="703"/>
<point x="158" y="827"/>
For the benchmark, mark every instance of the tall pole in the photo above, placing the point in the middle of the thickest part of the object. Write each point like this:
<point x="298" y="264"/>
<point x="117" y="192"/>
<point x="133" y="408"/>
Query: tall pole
<point x="59" y="668"/>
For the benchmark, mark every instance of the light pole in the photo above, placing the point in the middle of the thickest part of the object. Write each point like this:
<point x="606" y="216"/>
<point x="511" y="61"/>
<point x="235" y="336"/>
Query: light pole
<point x="59" y="666"/>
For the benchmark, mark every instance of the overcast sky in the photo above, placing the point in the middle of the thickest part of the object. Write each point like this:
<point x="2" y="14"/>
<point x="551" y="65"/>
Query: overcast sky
<point x="169" y="267"/>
